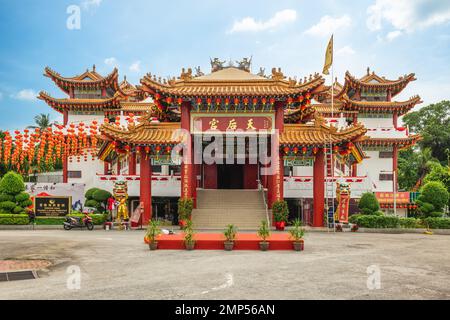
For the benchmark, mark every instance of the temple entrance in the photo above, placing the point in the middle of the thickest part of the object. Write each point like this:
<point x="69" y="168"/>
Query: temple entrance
<point x="230" y="176"/>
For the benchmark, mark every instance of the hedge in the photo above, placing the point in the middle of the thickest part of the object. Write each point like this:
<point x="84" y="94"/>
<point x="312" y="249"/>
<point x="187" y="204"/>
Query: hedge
<point x="22" y="219"/>
<point x="377" y="222"/>
<point x="13" y="219"/>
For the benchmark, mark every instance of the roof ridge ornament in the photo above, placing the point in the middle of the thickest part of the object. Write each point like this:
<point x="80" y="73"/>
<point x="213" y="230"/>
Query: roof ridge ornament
<point x="216" y="64"/>
<point x="245" y="64"/>
<point x="186" y="75"/>
<point x="277" y="74"/>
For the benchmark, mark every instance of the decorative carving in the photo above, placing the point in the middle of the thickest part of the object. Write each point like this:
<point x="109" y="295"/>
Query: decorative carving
<point x="244" y="64"/>
<point x="186" y="75"/>
<point x="262" y="72"/>
<point x="216" y="64"/>
<point x="198" y="72"/>
<point x="277" y="74"/>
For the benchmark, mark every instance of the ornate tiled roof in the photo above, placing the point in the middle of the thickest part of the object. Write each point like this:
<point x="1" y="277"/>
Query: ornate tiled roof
<point x="382" y="106"/>
<point x="375" y="83"/>
<point x="230" y="82"/>
<point x="80" y="104"/>
<point x="401" y="142"/>
<point x="146" y="132"/>
<point x="319" y="133"/>
<point x="89" y="79"/>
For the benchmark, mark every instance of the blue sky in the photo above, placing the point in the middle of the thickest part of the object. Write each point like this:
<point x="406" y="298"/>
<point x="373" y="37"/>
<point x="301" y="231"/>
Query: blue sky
<point x="393" y="37"/>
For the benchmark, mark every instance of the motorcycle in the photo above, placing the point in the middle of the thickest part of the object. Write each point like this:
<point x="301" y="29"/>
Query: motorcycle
<point x="78" y="222"/>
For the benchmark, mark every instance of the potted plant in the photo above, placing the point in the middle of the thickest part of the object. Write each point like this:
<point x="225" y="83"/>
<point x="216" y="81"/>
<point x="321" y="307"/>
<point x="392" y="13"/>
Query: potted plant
<point x="185" y="206"/>
<point x="189" y="241"/>
<point x="153" y="231"/>
<point x="280" y="214"/>
<point x="230" y="236"/>
<point x="297" y="233"/>
<point x="264" y="233"/>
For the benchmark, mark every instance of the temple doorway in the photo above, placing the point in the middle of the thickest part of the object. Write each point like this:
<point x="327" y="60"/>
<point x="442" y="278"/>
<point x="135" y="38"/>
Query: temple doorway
<point x="230" y="176"/>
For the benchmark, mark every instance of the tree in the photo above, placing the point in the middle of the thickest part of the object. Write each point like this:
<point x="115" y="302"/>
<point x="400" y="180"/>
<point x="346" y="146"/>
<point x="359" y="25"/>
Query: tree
<point x="433" y="123"/>
<point x="13" y="199"/>
<point x="433" y="198"/>
<point x="42" y="122"/>
<point x="368" y="204"/>
<point x="441" y="174"/>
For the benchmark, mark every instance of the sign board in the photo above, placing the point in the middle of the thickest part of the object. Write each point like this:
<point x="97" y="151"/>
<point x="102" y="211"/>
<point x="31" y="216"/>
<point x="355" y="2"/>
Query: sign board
<point x="52" y="206"/>
<point x="232" y="123"/>
<point x="298" y="162"/>
<point x="343" y="208"/>
<point x="74" y="190"/>
<point x="166" y="161"/>
<point x="388" y="197"/>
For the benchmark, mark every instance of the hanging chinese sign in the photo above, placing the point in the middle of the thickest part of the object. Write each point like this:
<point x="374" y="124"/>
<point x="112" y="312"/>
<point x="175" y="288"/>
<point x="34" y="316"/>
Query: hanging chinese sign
<point x="247" y="123"/>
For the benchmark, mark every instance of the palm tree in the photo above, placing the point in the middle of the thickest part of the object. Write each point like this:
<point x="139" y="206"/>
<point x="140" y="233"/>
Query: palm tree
<point x="42" y="122"/>
<point x="425" y="162"/>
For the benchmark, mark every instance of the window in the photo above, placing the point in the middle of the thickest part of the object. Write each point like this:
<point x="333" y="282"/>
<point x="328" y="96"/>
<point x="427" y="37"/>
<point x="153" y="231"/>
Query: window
<point x="386" y="154"/>
<point x="175" y="170"/>
<point x="74" y="174"/>
<point x="386" y="177"/>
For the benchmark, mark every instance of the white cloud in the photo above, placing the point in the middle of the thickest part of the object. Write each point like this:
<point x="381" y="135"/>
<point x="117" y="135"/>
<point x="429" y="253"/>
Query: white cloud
<point x="249" y="24"/>
<point x="135" y="66"/>
<point x="408" y="15"/>
<point x="88" y="4"/>
<point x="112" y="62"/>
<point x="345" y="51"/>
<point x="328" y="25"/>
<point x="25" y="95"/>
<point x="391" y="36"/>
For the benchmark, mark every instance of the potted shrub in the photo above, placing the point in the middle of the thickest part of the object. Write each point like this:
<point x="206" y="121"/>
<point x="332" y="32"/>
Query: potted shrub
<point x="153" y="231"/>
<point x="230" y="236"/>
<point x="189" y="241"/>
<point x="185" y="206"/>
<point x="297" y="233"/>
<point x="280" y="214"/>
<point x="264" y="233"/>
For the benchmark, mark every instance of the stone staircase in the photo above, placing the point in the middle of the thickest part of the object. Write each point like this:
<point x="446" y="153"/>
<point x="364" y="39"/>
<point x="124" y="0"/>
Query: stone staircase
<point x="218" y="208"/>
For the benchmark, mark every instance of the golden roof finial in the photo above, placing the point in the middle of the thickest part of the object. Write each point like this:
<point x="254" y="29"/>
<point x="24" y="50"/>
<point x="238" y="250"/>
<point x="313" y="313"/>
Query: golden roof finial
<point x="368" y="70"/>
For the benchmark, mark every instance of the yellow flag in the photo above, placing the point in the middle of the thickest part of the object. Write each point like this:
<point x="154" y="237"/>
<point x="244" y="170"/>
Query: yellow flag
<point x="328" y="58"/>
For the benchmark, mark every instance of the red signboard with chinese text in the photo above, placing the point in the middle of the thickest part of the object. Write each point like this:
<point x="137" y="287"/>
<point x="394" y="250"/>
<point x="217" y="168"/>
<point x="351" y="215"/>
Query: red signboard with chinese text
<point x="343" y="207"/>
<point x="388" y="197"/>
<point x="246" y="123"/>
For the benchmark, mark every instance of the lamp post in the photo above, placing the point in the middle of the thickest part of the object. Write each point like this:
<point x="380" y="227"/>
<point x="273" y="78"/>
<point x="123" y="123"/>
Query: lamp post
<point x="394" y="189"/>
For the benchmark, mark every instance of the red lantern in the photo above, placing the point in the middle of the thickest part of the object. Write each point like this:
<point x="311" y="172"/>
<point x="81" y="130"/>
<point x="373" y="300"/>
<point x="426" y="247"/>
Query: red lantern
<point x="180" y="101"/>
<point x="272" y="101"/>
<point x="304" y="150"/>
<point x="138" y="149"/>
<point x="254" y="101"/>
<point x="315" y="150"/>
<point x="263" y="100"/>
<point x="295" y="150"/>
<point x="236" y="101"/>
<point x="169" y="100"/>
<point x="335" y="149"/>
<point x="286" y="150"/>
<point x="301" y="98"/>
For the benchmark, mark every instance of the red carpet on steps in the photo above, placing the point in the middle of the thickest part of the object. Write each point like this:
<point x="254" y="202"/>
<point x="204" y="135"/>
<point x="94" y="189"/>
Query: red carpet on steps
<point x="214" y="241"/>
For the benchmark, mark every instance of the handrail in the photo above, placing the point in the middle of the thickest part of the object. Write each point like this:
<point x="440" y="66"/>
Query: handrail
<point x="266" y="207"/>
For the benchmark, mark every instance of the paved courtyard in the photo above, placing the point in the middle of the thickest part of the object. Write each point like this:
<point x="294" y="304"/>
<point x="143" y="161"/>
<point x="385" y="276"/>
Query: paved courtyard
<point x="117" y="265"/>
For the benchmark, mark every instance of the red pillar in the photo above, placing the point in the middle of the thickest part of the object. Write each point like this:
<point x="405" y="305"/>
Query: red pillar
<point x="319" y="189"/>
<point x="276" y="181"/>
<point x="186" y="166"/>
<point x="146" y="188"/>
<point x="354" y="170"/>
<point x="132" y="164"/>
<point x="395" y="165"/>
<point x="118" y="166"/>
<point x="105" y="168"/>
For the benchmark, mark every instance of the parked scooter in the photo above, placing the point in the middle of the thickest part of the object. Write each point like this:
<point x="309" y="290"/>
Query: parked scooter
<point x="77" y="222"/>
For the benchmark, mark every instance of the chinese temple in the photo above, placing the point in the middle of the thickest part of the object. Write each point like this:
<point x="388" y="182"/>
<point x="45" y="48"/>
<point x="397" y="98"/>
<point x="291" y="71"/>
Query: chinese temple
<point x="156" y="135"/>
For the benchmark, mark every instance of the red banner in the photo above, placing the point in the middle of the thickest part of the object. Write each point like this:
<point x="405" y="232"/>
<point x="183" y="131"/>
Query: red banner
<point x="343" y="207"/>
<point x="231" y="123"/>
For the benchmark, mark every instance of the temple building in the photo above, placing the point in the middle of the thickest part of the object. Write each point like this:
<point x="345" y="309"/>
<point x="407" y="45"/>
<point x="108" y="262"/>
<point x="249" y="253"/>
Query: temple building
<point x="236" y="142"/>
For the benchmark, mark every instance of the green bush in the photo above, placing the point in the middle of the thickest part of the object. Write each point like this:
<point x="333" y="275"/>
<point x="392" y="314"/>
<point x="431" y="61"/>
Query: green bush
<point x="368" y="204"/>
<point x="23" y="196"/>
<point x="280" y="211"/>
<point x="6" y="197"/>
<point x="18" y="210"/>
<point x="26" y="203"/>
<point x="410" y="223"/>
<point x="50" y="221"/>
<point x="7" y="206"/>
<point x="185" y="206"/>
<point x="433" y="193"/>
<point x="101" y="195"/>
<point x="375" y="221"/>
<point x="90" y="192"/>
<point x="14" y="219"/>
<point x="12" y="183"/>
<point x="437" y="223"/>
<point x="91" y="203"/>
